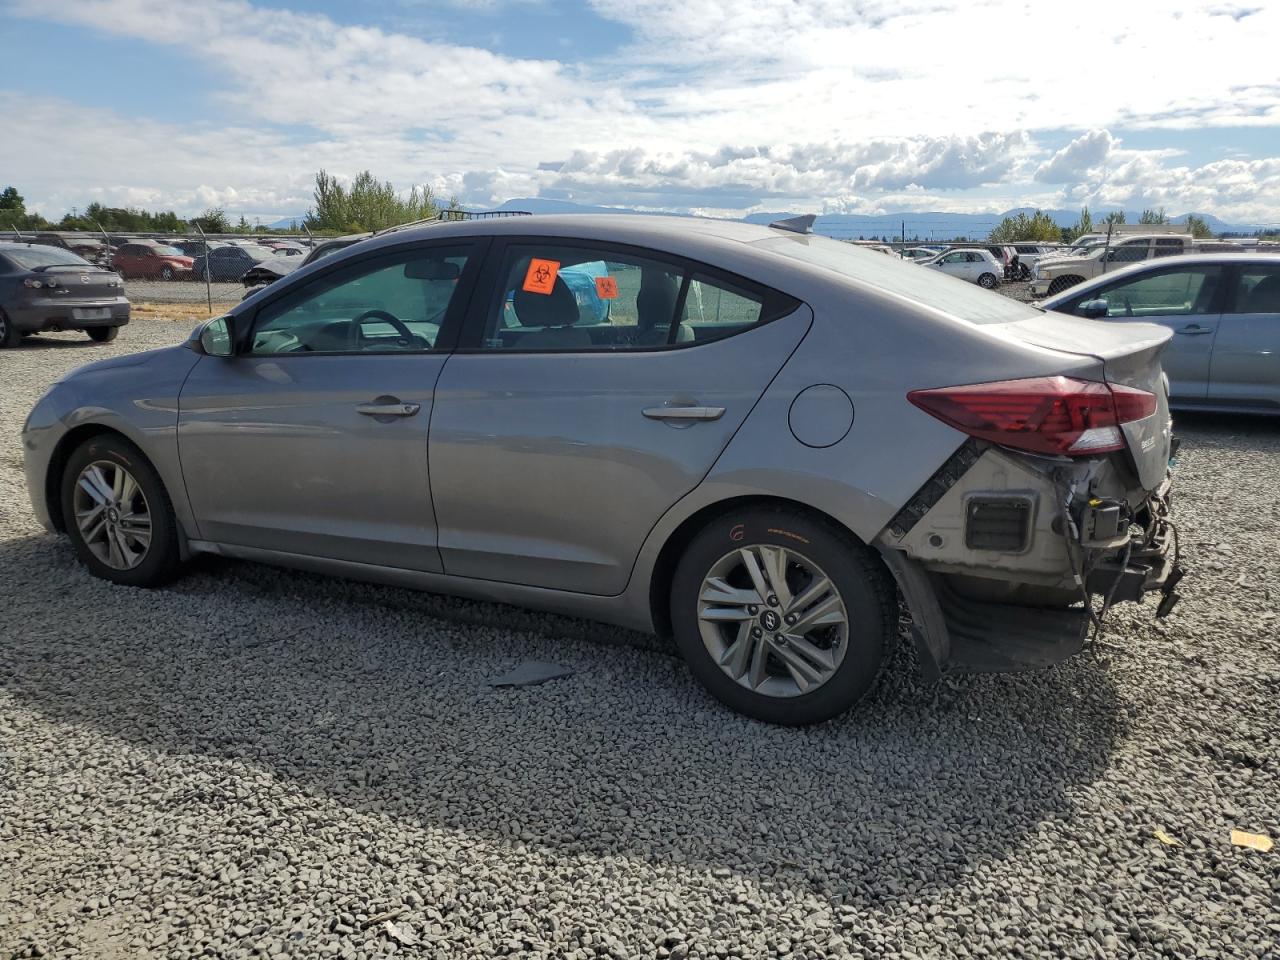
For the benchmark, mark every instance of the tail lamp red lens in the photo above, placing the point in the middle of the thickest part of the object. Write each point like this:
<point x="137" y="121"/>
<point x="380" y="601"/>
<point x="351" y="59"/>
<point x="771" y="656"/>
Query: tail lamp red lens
<point x="1053" y="415"/>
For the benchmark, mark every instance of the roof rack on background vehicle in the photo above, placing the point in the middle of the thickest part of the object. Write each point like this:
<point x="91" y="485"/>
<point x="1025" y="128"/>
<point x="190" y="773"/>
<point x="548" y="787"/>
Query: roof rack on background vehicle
<point x="480" y="214"/>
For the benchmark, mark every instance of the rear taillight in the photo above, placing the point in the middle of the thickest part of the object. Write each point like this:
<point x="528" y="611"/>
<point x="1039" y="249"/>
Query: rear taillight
<point x="1054" y="415"/>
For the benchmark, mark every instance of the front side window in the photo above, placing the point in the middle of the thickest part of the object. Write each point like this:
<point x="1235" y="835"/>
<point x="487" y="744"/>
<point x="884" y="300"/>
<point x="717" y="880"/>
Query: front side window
<point x="1168" y="293"/>
<point x="1130" y="252"/>
<point x="392" y="304"/>
<point x="1258" y="290"/>
<point x="581" y="297"/>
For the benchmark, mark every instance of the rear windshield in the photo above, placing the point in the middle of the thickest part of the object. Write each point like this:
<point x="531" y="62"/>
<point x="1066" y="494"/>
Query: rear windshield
<point x="960" y="298"/>
<point x="32" y="257"/>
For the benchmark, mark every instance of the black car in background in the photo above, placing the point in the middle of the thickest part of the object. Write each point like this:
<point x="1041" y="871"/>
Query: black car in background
<point x="229" y="262"/>
<point x="48" y="288"/>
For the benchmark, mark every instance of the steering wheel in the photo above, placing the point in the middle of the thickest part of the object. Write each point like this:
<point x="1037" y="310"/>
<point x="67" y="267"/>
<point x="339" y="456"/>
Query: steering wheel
<point x="405" y="335"/>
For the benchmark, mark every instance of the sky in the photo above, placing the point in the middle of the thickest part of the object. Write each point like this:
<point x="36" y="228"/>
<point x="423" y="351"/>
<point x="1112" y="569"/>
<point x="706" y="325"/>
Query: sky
<point x="704" y="106"/>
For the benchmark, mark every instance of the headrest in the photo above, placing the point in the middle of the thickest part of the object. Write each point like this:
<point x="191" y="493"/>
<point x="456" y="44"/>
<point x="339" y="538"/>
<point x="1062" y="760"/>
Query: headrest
<point x="656" y="300"/>
<point x="559" y="308"/>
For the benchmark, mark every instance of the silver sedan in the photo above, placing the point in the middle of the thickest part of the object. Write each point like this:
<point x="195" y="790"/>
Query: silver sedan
<point x="751" y="438"/>
<point x="1224" y="312"/>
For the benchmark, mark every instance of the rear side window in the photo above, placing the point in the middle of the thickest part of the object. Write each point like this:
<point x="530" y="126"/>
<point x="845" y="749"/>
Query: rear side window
<point x="1168" y="246"/>
<point x="571" y="297"/>
<point x="1258" y="290"/>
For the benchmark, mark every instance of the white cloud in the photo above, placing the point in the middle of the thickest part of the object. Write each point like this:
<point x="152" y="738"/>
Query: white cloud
<point x="714" y="105"/>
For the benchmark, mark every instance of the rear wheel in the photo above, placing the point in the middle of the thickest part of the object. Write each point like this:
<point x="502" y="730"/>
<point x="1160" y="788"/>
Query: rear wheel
<point x="118" y="514"/>
<point x="781" y="616"/>
<point x="103" y="334"/>
<point x="988" y="281"/>
<point x="1058" y="284"/>
<point x="10" y="336"/>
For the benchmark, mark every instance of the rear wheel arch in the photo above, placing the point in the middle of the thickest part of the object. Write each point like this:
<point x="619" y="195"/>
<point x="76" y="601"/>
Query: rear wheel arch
<point x="664" y="568"/>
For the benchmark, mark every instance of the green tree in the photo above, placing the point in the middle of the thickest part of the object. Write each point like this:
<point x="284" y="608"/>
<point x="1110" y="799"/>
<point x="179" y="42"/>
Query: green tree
<point x="1154" y="216"/>
<point x="366" y="205"/>
<point x="11" y="202"/>
<point x="1038" y="227"/>
<point x="1115" y="218"/>
<point x="1199" y="227"/>
<point x="1080" y="227"/>
<point x="213" y="220"/>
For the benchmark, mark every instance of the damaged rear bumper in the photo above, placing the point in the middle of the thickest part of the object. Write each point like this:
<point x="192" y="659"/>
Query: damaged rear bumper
<point x="1084" y="551"/>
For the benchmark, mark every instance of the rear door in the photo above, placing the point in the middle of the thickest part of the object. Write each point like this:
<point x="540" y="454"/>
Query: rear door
<point x="595" y="386"/>
<point x="1245" y="369"/>
<point x="1184" y="299"/>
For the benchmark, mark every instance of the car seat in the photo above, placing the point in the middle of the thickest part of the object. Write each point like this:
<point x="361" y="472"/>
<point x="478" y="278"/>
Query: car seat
<point x="656" y="308"/>
<point x="555" y="313"/>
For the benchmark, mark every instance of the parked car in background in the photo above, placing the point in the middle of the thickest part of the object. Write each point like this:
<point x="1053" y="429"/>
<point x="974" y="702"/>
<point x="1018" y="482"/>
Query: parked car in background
<point x="151" y="260"/>
<point x="273" y="268"/>
<point x="1224" y="311"/>
<point x="1029" y="254"/>
<point x="90" y="248"/>
<point x="48" y="288"/>
<point x="1052" y="276"/>
<point x="918" y="253"/>
<point x="976" y="265"/>
<point x="229" y="262"/>
<point x="675" y="451"/>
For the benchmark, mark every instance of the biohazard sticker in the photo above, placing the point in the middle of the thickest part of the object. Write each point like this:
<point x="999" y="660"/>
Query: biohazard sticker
<point x="541" y="276"/>
<point x="606" y="288"/>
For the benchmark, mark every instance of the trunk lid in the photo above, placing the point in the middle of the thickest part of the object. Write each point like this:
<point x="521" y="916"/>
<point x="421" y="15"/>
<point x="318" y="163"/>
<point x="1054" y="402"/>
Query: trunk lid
<point x="84" y="282"/>
<point x="1130" y="356"/>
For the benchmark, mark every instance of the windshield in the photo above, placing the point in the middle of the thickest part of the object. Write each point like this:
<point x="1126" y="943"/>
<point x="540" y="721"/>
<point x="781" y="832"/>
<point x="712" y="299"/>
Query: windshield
<point x="258" y="253"/>
<point x="163" y="250"/>
<point x="32" y="257"/>
<point x="931" y="288"/>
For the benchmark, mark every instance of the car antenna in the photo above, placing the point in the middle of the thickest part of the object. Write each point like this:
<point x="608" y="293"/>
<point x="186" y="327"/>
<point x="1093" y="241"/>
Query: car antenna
<point x="800" y="224"/>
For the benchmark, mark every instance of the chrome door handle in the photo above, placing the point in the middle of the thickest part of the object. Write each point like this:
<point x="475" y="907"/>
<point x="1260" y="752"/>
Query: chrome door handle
<point x="388" y="409"/>
<point x="1195" y="330"/>
<point x="683" y="413"/>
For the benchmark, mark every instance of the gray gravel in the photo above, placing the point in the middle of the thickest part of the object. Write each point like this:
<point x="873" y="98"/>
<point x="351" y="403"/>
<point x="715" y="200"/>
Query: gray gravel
<point x="257" y="762"/>
<point x="181" y="291"/>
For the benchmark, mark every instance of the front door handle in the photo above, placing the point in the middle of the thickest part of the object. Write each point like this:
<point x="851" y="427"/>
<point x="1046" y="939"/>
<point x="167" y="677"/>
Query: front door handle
<point x="684" y="413"/>
<point x="396" y="409"/>
<point x="1195" y="330"/>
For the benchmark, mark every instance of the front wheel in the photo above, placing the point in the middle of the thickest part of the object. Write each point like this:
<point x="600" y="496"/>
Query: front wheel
<point x="103" y="334"/>
<point x="781" y="616"/>
<point x="118" y="514"/>
<point x="166" y="273"/>
<point x="988" y="281"/>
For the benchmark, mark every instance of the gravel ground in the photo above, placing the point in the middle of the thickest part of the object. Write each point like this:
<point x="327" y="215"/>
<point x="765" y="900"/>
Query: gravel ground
<point x="258" y="762"/>
<point x="181" y="291"/>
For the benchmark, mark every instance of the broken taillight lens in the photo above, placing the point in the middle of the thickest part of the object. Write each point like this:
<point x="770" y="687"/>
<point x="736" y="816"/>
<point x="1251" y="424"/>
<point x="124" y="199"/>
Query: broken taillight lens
<point x="1053" y="415"/>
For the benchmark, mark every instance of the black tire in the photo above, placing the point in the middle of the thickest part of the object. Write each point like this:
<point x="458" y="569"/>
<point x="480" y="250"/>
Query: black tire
<point x="1058" y="284"/>
<point x="988" y="281"/>
<point x="103" y="334"/>
<point x="166" y="273"/>
<point x="867" y="591"/>
<point x="10" y="336"/>
<point x="162" y="561"/>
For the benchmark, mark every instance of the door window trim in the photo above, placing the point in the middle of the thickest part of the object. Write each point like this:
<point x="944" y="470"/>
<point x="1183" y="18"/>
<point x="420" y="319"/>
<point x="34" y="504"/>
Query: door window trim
<point x="774" y="303"/>
<point x="297" y="288"/>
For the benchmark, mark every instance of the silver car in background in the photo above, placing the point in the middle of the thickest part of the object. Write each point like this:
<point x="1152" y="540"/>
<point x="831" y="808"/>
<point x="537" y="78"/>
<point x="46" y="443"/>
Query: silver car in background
<point x="748" y="437"/>
<point x="1224" y="312"/>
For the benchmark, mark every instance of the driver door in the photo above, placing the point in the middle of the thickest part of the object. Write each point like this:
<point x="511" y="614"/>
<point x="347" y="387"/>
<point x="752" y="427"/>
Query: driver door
<point x="312" y="439"/>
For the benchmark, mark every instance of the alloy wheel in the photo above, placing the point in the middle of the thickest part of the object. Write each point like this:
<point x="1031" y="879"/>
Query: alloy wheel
<point x="773" y="620"/>
<point x="112" y="515"/>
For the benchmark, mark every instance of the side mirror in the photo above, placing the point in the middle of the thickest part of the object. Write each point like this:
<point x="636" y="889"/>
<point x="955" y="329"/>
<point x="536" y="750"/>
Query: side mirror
<point x="217" y="338"/>
<point x="1094" y="309"/>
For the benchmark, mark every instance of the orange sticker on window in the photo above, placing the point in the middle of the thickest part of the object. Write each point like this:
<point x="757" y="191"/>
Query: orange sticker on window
<point x="541" y="276"/>
<point x="606" y="288"/>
